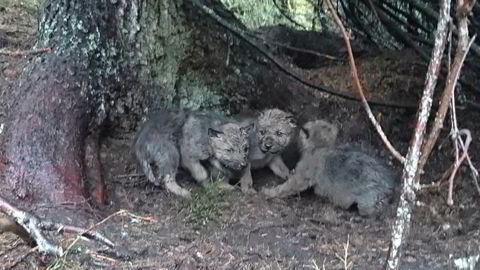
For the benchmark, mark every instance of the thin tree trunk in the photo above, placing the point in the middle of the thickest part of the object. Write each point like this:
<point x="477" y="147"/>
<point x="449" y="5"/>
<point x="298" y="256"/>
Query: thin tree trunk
<point x="410" y="182"/>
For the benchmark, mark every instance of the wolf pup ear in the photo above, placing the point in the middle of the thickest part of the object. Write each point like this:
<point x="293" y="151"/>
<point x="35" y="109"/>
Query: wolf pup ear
<point x="291" y="120"/>
<point x="246" y="130"/>
<point x="306" y="132"/>
<point x="214" y="133"/>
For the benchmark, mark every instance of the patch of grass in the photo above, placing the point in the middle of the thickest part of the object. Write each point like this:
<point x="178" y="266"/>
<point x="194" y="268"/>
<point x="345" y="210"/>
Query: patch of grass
<point x="207" y="205"/>
<point x="65" y="261"/>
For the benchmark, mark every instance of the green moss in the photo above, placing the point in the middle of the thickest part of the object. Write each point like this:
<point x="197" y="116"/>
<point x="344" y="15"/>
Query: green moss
<point x="258" y="13"/>
<point x="195" y="94"/>
<point x="207" y="205"/>
<point x="164" y="43"/>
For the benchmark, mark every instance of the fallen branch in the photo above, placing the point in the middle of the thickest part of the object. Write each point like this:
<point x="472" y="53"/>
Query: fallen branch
<point x="30" y="225"/>
<point x="377" y="126"/>
<point x="26" y="52"/>
<point x="33" y="227"/>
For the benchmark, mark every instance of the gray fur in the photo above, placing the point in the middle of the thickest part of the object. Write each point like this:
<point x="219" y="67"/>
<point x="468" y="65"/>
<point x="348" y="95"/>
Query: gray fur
<point x="345" y="174"/>
<point x="274" y="130"/>
<point x="156" y="144"/>
<point x="171" y="137"/>
<point x="221" y="141"/>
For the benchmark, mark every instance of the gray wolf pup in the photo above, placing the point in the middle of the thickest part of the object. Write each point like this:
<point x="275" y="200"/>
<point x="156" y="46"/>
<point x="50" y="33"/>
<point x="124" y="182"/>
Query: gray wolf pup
<point x="156" y="144"/>
<point x="173" y="137"/>
<point x="220" y="140"/>
<point x="344" y="174"/>
<point x="274" y="129"/>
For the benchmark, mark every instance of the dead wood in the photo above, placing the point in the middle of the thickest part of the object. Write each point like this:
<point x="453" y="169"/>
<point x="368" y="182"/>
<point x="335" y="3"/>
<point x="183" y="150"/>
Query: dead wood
<point x="25" y="53"/>
<point x="29" y="227"/>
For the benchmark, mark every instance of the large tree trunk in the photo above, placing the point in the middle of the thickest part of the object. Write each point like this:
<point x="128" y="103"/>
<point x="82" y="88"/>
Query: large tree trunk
<point x="108" y="57"/>
<point x="112" y="62"/>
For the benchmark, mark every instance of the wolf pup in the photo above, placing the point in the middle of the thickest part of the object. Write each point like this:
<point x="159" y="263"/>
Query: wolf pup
<point x="211" y="137"/>
<point x="173" y="137"/>
<point x="345" y="174"/>
<point x="273" y="131"/>
<point x="156" y="144"/>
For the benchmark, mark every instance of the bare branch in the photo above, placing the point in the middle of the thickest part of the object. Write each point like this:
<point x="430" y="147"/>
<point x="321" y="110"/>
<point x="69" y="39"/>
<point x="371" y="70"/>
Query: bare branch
<point x="454" y="132"/>
<point x="463" y="47"/>
<point x="458" y="162"/>
<point x="377" y="126"/>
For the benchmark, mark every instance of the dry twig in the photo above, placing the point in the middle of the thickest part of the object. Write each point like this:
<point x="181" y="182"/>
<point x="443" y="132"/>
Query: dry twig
<point x="129" y="175"/>
<point x="458" y="161"/>
<point x="377" y="126"/>
<point x="344" y="258"/>
<point x="25" y="53"/>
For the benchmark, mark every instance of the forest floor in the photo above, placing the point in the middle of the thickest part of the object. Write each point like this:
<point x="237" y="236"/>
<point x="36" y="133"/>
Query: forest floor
<point x="221" y="229"/>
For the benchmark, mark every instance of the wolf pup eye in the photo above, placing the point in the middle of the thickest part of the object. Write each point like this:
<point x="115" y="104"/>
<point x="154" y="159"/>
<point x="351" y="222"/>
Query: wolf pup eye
<point x="262" y="132"/>
<point x="214" y="133"/>
<point x="279" y="133"/>
<point x="230" y="150"/>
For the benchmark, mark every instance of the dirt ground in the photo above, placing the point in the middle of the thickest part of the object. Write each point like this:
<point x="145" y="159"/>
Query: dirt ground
<point x="221" y="229"/>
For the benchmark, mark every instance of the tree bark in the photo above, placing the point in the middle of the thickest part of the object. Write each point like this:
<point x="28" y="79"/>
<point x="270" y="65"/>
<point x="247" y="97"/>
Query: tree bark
<point x="103" y="53"/>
